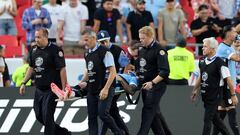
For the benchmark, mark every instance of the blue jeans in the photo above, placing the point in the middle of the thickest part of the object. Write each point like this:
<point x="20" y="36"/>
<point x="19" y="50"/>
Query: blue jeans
<point x="8" y="27"/>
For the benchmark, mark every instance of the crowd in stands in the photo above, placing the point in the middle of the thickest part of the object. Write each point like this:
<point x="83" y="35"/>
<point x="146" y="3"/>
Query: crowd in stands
<point x="193" y="20"/>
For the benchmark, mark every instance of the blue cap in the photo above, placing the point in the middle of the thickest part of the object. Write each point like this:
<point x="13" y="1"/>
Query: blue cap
<point x="103" y="35"/>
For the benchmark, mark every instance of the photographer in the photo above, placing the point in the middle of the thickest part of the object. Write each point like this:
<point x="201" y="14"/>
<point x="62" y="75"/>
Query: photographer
<point x="204" y="26"/>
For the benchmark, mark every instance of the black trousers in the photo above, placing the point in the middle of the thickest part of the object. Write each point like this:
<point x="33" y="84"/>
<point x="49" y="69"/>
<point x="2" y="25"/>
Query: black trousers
<point x="151" y="114"/>
<point x="44" y="107"/>
<point x="211" y="116"/>
<point x="99" y="107"/>
<point x="231" y="119"/>
<point x="178" y="82"/>
<point x="114" y="112"/>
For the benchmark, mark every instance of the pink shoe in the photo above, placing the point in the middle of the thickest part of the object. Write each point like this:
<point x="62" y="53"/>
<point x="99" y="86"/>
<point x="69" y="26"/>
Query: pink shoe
<point x="69" y="91"/>
<point x="57" y="91"/>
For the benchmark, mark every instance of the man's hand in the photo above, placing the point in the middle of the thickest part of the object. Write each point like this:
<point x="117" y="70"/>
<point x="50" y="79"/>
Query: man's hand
<point x="234" y="100"/>
<point x="194" y="95"/>
<point x="22" y="89"/>
<point x="45" y="21"/>
<point x="82" y="85"/>
<point x="103" y="94"/>
<point x="9" y="9"/>
<point x="37" y="21"/>
<point x="59" y="42"/>
<point x="204" y="28"/>
<point x="118" y="78"/>
<point x="163" y="43"/>
<point x="147" y="85"/>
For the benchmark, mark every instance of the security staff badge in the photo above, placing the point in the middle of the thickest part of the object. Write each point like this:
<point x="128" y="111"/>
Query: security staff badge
<point x="38" y="64"/>
<point x="142" y="64"/>
<point x="60" y="54"/>
<point x="90" y="66"/>
<point x="162" y="52"/>
<point x="204" y="78"/>
<point x="38" y="61"/>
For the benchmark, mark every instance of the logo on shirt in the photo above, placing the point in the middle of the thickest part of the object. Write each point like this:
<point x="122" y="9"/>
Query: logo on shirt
<point x="142" y="62"/>
<point x="204" y="76"/>
<point x="90" y="65"/>
<point x="60" y="53"/>
<point x="38" y="61"/>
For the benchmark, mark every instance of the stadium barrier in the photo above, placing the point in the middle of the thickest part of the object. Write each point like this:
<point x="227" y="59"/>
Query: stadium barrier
<point x="17" y="115"/>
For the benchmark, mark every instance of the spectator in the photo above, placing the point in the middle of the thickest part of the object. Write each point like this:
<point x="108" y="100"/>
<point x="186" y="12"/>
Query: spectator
<point x="180" y="57"/>
<point x="124" y="9"/>
<point x="54" y="10"/>
<point x="91" y="5"/>
<point x="20" y="72"/>
<point x="109" y="19"/>
<point x="138" y="19"/>
<point x="131" y="6"/>
<point x="154" y="6"/>
<point x="170" y="24"/>
<point x="204" y="26"/>
<point x="72" y="21"/>
<point x="8" y="10"/>
<point x="34" y="18"/>
<point x="5" y="73"/>
<point x="229" y="56"/>
<point x="227" y="10"/>
<point x="236" y="46"/>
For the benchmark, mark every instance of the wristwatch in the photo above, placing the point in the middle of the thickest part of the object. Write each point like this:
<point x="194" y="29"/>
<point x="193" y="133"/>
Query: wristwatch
<point x="152" y="83"/>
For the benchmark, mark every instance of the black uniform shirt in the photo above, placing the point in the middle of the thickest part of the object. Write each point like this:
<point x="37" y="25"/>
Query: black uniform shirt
<point x="211" y="79"/>
<point x="96" y="69"/>
<point x="137" y="21"/>
<point x="108" y="21"/>
<point x="152" y="61"/>
<point x="47" y="63"/>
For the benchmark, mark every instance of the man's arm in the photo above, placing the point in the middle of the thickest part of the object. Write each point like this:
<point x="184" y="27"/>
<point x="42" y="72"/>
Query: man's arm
<point x="160" y="32"/>
<point x="83" y="82"/>
<point x="109" y="64"/>
<point x="128" y="88"/>
<point x="119" y="30"/>
<point x="128" y="28"/>
<point x="83" y="25"/>
<point x="96" y="25"/>
<point x="111" y="77"/>
<point x="232" y="90"/>
<point x="196" y="89"/>
<point x="59" y="32"/>
<point x="25" y="80"/>
<point x="63" y="76"/>
<point x="235" y="57"/>
<point x="199" y="31"/>
<point x="28" y="75"/>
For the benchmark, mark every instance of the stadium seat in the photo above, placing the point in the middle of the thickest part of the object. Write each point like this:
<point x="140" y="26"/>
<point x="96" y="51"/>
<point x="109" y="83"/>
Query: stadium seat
<point x="8" y="40"/>
<point x="23" y="2"/>
<point x="13" y="51"/>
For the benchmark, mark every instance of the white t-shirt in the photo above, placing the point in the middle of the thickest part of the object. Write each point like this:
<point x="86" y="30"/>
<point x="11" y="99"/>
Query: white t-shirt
<point x="2" y="64"/>
<point x="72" y="18"/>
<point x="54" y="12"/>
<point x="6" y="3"/>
